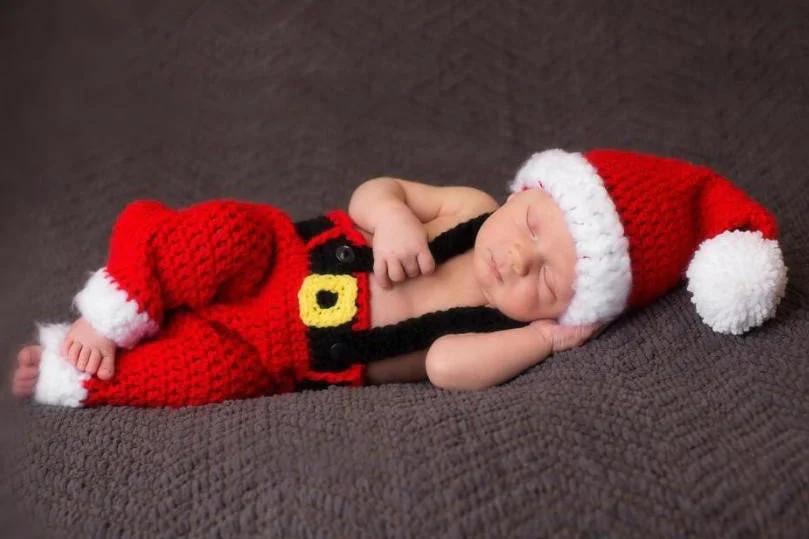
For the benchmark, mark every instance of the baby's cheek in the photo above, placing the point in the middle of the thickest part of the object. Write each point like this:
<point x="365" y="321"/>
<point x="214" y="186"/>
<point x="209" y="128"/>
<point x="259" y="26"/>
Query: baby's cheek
<point x="564" y="299"/>
<point x="521" y="304"/>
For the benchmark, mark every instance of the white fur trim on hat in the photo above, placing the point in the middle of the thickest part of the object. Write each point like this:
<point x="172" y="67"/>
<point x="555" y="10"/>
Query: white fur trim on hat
<point x="110" y="311"/>
<point x="58" y="382"/>
<point x="737" y="280"/>
<point x="603" y="271"/>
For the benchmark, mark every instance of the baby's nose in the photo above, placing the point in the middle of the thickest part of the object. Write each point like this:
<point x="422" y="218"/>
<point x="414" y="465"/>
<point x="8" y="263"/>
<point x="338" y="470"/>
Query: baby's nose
<point x="519" y="260"/>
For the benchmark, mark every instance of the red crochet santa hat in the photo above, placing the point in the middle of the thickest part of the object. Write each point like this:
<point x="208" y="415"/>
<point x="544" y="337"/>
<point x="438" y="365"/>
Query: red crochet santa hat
<point x="641" y="222"/>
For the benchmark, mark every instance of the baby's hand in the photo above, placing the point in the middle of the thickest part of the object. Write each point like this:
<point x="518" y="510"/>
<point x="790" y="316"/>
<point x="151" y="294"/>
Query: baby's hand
<point x="400" y="248"/>
<point x="566" y="337"/>
<point x="89" y="351"/>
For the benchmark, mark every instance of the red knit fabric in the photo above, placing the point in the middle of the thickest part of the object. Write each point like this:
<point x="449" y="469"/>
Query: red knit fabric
<point x="667" y="208"/>
<point x="221" y="277"/>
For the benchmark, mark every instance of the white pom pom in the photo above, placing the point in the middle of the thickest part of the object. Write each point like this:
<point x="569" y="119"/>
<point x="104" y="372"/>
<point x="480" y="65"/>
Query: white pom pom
<point x="737" y="280"/>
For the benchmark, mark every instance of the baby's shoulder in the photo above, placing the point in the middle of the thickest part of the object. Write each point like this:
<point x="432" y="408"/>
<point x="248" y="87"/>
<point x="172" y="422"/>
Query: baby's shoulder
<point x="471" y="202"/>
<point x="463" y="209"/>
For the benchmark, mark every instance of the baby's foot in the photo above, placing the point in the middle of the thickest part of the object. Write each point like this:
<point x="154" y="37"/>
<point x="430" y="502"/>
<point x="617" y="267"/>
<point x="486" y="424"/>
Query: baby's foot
<point x="27" y="372"/>
<point x="89" y="351"/>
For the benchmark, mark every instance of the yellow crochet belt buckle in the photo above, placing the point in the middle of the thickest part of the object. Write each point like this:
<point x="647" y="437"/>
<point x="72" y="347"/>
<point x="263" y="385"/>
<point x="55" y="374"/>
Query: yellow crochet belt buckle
<point x="327" y="300"/>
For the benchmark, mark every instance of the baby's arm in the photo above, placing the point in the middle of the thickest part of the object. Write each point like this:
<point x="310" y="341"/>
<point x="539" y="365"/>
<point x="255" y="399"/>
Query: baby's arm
<point x="395" y="211"/>
<point x="373" y="201"/>
<point x="481" y="360"/>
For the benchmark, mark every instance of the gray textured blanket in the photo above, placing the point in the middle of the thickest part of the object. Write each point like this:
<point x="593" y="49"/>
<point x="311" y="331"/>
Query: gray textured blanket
<point x="658" y="428"/>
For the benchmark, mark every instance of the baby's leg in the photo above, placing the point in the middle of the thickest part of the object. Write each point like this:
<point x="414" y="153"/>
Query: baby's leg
<point x="191" y="362"/>
<point x="161" y="259"/>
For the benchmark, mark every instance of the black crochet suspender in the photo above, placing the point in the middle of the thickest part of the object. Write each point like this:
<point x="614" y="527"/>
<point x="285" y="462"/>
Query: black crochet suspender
<point x="334" y="349"/>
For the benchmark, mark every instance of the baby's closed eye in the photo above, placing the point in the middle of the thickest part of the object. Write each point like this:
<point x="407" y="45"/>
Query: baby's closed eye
<point x="547" y="280"/>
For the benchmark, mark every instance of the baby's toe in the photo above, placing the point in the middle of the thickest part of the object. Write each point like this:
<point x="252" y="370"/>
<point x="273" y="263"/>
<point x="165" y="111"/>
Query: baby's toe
<point x="26" y="372"/>
<point x="73" y="352"/>
<point x="22" y="389"/>
<point x="24" y="380"/>
<point x="93" y="362"/>
<point x="84" y="356"/>
<point x="29" y="356"/>
<point x="107" y="368"/>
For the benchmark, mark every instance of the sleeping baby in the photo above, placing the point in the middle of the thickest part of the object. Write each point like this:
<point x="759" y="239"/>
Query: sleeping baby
<point x="228" y="299"/>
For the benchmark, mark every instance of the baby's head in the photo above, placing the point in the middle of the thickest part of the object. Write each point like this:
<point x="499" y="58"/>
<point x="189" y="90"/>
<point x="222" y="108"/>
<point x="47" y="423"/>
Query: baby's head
<point x="585" y="236"/>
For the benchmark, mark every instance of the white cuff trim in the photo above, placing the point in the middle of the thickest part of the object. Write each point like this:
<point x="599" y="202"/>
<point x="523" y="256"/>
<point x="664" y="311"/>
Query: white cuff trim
<point x="59" y="382"/>
<point x="110" y="311"/>
<point x="603" y="271"/>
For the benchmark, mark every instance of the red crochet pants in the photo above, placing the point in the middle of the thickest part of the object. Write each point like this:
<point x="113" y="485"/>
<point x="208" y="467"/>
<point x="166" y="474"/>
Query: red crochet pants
<point x="204" y="303"/>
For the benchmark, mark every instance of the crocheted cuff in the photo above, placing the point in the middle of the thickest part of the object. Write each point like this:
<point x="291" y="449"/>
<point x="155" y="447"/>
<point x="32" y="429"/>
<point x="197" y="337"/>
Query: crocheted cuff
<point x="59" y="382"/>
<point x="111" y="311"/>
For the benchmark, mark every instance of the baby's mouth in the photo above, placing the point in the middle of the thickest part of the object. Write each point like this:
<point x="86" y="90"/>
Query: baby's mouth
<point x="493" y="266"/>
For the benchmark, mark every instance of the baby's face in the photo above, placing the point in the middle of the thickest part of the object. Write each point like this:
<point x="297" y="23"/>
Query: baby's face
<point x="528" y="241"/>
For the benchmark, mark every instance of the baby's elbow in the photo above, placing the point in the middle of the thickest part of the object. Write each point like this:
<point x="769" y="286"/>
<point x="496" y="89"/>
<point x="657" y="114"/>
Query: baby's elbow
<point x="442" y="368"/>
<point x="365" y="195"/>
<point x="438" y="364"/>
<point x="435" y="365"/>
<point x="379" y="179"/>
<point x="372" y="183"/>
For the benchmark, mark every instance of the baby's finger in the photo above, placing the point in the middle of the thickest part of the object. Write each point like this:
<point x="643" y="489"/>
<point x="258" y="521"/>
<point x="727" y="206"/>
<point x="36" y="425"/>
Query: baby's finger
<point x="543" y="323"/>
<point x="411" y="265"/>
<point x="73" y="353"/>
<point x="597" y="329"/>
<point x="395" y="270"/>
<point x="93" y="362"/>
<point x="84" y="355"/>
<point x="66" y="346"/>
<point x="571" y="336"/>
<point x="381" y="272"/>
<point x="426" y="262"/>
<point x="583" y="332"/>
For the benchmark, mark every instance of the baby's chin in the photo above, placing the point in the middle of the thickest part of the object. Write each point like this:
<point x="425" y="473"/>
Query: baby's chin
<point x="489" y="301"/>
<point x="519" y="317"/>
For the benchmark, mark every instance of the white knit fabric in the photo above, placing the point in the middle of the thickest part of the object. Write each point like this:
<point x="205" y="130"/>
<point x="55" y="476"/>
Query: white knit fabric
<point x="58" y="382"/>
<point x="737" y="280"/>
<point x="603" y="271"/>
<point x="111" y="312"/>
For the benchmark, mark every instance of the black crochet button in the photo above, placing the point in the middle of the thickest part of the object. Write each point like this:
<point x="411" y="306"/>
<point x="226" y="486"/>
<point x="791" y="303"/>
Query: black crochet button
<point x="339" y="353"/>
<point x="345" y="254"/>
